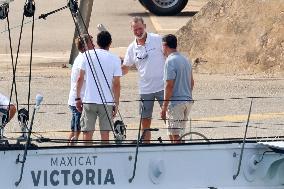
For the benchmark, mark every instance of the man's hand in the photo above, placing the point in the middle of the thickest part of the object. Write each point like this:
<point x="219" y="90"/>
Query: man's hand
<point x="79" y="105"/>
<point x="124" y="69"/>
<point x="114" y="110"/>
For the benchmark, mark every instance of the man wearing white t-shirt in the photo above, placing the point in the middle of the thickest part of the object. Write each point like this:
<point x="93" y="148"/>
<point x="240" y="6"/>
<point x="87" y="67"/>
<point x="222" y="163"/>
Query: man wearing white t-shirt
<point x="102" y="71"/>
<point x="6" y="112"/>
<point x="145" y="52"/>
<point x="76" y="115"/>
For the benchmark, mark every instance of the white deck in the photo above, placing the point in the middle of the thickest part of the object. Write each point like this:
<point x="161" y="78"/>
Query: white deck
<point x="274" y="144"/>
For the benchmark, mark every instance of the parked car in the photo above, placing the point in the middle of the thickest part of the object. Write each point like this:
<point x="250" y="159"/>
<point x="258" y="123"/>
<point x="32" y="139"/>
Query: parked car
<point x="164" y="7"/>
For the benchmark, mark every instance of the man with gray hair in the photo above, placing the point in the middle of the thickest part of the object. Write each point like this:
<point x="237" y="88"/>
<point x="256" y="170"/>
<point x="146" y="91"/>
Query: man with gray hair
<point x="145" y="52"/>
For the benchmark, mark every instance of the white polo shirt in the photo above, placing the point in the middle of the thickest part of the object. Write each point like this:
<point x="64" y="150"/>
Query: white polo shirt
<point x="74" y="77"/>
<point x="111" y="66"/>
<point x="4" y="101"/>
<point x="149" y="61"/>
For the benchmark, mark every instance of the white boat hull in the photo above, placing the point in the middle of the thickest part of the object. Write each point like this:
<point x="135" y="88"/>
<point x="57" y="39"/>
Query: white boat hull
<point x="159" y="166"/>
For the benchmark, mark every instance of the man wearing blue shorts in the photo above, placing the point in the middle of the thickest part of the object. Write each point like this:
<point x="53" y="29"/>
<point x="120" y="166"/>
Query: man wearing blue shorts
<point x="76" y="115"/>
<point x="145" y="52"/>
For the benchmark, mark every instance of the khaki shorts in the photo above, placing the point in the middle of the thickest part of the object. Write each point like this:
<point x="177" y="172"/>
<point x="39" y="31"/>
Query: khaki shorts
<point x="90" y="114"/>
<point x="178" y="116"/>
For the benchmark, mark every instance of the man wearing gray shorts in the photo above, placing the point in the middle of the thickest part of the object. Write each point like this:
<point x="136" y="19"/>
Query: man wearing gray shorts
<point x="145" y="52"/>
<point x="178" y="89"/>
<point x="102" y="92"/>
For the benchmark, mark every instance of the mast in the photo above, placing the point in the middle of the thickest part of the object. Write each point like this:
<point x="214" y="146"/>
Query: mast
<point x="86" y="7"/>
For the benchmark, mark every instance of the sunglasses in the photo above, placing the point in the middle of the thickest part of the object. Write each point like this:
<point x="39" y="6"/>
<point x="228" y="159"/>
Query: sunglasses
<point x="142" y="55"/>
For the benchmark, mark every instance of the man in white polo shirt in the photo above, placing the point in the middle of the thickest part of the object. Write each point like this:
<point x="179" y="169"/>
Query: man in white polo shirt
<point x="145" y="52"/>
<point x="102" y="90"/>
<point x="5" y="110"/>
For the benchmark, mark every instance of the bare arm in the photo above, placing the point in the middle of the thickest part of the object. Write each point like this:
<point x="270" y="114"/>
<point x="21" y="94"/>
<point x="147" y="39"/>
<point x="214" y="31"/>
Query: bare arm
<point x="125" y="69"/>
<point x="79" y="86"/>
<point x="167" y="96"/>
<point x="116" y="92"/>
<point x="79" y="83"/>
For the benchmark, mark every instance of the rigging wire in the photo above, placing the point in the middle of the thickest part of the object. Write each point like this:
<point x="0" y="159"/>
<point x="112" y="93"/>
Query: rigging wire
<point x="29" y="10"/>
<point x="160" y="128"/>
<point x="73" y="6"/>
<point x="42" y="16"/>
<point x="17" y="26"/>
<point x="99" y="62"/>
<point x="30" y="67"/>
<point x="14" y="83"/>
<point x="15" y="69"/>
<point x="197" y="100"/>
<point x="153" y="141"/>
<point x="13" y="66"/>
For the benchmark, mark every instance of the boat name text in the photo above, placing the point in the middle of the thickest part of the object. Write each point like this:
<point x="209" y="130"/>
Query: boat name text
<point x="78" y="171"/>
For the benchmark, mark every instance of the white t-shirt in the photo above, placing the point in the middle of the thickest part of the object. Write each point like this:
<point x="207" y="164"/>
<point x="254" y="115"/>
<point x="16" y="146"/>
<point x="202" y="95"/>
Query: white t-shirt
<point x="4" y="101"/>
<point x="149" y="61"/>
<point x="74" y="77"/>
<point x="111" y="66"/>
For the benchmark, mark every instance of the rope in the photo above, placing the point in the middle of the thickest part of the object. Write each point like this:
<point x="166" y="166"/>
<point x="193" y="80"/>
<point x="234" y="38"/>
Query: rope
<point x="15" y="68"/>
<point x="160" y="128"/>
<point x="93" y="71"/>
<point x="198" y="100"/>
<point x="17" y="26"/>
<point x="12" y="62"/>
<point x="86" y="29"/>
<point x="44" y="16"/>
<point x="30" y="71"/>
<point x="132" y="142"/>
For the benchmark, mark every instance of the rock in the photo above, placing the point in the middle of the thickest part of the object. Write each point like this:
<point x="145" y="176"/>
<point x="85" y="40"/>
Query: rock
<point x="236" y="36"/>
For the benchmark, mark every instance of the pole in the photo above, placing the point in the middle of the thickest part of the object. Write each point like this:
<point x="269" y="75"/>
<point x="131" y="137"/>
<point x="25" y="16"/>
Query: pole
<point x="86" y="7"/>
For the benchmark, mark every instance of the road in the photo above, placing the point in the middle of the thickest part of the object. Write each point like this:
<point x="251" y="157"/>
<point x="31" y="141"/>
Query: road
<point x="56" y="32"/>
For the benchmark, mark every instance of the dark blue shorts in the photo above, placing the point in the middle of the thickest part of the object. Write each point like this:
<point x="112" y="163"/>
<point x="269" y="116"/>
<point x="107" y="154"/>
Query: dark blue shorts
<point x="75" y="121"/>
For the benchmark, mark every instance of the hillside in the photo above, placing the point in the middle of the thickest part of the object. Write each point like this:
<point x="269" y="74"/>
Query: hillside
<point x="236" y="36"/>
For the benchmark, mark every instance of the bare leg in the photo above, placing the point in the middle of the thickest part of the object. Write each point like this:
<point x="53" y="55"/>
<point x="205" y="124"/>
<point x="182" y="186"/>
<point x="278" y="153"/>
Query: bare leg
<point x="105" y="137"/>
<point x="12" y="111"/>
<point x="73" y="137"/>
<point x="171" y="138"/>
<point x="146" y="123"/>
<point x="87" y="136"/>
<point x="175" y="139"/>
<point x="77" y="134"/>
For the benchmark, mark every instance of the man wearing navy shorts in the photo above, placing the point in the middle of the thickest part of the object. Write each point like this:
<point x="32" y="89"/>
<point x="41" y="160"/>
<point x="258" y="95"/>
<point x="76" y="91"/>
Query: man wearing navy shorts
<point x="76" y="115"/>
